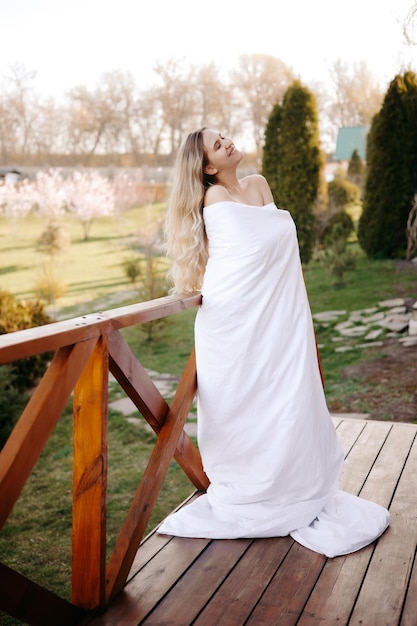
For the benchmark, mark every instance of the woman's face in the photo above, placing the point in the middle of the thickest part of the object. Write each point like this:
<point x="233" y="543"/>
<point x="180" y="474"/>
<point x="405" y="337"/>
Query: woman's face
<point x="220" y="151"/>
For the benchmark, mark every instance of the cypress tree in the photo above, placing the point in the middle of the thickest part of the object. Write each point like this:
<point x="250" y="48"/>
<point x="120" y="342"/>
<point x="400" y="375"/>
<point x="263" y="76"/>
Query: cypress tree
<point x="271" y="149"/>
<point x="356" y="169"/>
<point x="391" y="180"/>
<point x="299" y="163"/>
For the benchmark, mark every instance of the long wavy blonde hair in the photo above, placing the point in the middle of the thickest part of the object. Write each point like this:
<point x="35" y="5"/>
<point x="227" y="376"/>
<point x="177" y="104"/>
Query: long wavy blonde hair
<point x="185" y="235"/>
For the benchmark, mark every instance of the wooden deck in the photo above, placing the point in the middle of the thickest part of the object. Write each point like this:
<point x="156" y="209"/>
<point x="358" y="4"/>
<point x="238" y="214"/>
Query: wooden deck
<point x="179" y="582"/>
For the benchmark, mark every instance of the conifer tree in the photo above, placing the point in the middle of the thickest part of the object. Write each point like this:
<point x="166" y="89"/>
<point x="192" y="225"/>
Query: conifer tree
<point x="356" y="169"/>
<point x="391" y="181"/>
<point x="271" y="149"/>
<point x="294" y="135"/>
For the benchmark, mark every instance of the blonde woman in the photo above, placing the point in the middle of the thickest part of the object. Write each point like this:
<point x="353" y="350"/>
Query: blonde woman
<point x="265" y="435"/>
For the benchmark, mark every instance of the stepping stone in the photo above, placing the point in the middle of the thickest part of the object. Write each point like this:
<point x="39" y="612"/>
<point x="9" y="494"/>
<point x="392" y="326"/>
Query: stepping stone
<point x="374" y="344"/>
<point x="397" y="310"/>
<point x="359" y="314"/>
<point x="342" y="325"/>
<point x="374" y="334"/>
<point x="328" y="316"/>
<point x="354" y="331"/>
<point x="407" y="342"/>
<point x="391" y="303"/>
<point x="396" y="323"/>
<point x="373" y="318"/>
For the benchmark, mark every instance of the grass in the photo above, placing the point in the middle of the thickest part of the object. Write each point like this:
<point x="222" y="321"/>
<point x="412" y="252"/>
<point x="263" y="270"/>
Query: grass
<point x="89" y="270"/>
<point x="37" y="537"/>
<point x="372" y="282"/>
<point x="36" y="541"/>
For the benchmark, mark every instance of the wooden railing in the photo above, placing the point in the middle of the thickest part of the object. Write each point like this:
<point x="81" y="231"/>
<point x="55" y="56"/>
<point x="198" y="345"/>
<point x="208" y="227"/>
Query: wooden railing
<point x="86" y="349"/>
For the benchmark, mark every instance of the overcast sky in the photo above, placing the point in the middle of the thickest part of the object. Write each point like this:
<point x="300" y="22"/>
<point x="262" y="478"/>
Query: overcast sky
<point x="73" y="42"/>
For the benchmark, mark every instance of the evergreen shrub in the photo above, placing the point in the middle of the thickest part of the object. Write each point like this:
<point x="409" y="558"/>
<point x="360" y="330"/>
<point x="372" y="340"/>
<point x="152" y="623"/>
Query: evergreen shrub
<point x="19" y="315"/>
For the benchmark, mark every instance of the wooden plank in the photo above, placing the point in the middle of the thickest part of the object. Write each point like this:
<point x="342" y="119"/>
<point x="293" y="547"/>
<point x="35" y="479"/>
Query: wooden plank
<point x="383" y="594"/>
<point x="149" y="548"/>
<point x="154" y="543"/>
<point x="287" y="593"/>
<point x="195" y="588"/>
<point x="362" y="456"/>
<point x="336" y="590"/>
<point x="373" y="465"/>
<point x="37" y="422"/>
<point x="90" y="481"/>
<point x="233" y="602"/>
<point x="154" y="581"/>
<point x="27" y="601"/>
<point x="347" y="432"/>
<point x="337" y="420"/>
<point x="409" y="614"/>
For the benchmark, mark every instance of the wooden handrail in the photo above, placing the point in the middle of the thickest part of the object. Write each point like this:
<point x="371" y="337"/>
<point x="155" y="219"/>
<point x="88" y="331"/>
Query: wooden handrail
<point x="32" y="341"/>
<point x="86" y="349"/>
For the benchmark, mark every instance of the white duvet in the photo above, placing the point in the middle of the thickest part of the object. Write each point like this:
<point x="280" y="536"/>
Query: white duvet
<point x="265" y="435"/>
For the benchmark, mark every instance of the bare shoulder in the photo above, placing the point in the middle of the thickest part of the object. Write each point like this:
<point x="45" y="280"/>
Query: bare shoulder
<point x="257" y="185"/>
<point x="216" y="193"/>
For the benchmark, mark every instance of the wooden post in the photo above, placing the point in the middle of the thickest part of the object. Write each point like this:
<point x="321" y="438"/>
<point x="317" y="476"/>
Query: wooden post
<point x="90" y="481"/>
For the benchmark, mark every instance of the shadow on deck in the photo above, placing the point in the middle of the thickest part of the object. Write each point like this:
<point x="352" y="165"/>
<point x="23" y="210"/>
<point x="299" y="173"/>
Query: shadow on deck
<point x="181" y="582"/>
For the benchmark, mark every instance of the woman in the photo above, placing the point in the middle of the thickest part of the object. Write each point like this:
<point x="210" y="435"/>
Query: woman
<point x="265" y="435"/>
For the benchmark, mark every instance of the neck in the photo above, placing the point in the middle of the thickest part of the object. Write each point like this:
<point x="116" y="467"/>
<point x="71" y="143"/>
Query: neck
<point x="230" y="182"/>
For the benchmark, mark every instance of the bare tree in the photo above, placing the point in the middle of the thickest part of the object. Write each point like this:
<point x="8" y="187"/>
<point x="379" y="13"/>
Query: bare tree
<point x="84" y="131"/>
<point x="98" y="117"/>
<point x="262" y="81"/>
<point x="116" y="118"/>
<point x="49" y="135"/>
<point x="217" y="103"/>
<point x="358" y="96"/>
<point x="119" y="95"/>
<point x="147" y="129"/>
<point x="177" y="100"/>
<point x="409" y="26"/>
<point x="24" y="103"/>
<point x="129" y="128"/>
<point x="8" y="124"/>
<point x="19" y="107"/>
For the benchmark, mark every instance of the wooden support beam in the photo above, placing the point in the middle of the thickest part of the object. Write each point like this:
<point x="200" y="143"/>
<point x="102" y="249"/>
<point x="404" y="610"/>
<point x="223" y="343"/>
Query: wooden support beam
<point x="90" y="481"/>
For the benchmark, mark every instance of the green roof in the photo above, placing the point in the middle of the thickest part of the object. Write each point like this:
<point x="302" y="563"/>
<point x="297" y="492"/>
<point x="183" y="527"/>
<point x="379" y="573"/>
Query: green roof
<point x="350" y="138"/>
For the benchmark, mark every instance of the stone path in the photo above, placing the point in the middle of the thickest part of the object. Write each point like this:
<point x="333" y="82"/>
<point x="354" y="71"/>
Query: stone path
<point x="368" y="328"/>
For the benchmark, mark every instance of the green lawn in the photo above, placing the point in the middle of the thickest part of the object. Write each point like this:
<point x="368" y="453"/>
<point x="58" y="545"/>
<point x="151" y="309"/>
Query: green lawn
<point x="89" y="270"/>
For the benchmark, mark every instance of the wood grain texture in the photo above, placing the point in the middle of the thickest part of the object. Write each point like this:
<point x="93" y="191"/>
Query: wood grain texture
<point x="276" y="581"/>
